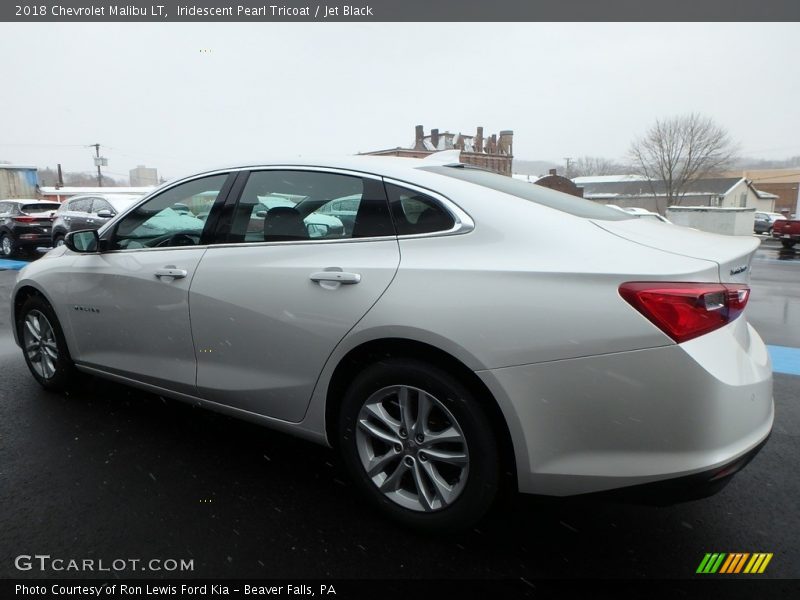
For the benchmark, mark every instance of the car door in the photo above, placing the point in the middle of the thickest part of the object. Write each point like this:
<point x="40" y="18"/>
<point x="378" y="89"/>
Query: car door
<point x="128" y="305"/>
<point x="270" y="305"/>
<point x="78" y="212"/>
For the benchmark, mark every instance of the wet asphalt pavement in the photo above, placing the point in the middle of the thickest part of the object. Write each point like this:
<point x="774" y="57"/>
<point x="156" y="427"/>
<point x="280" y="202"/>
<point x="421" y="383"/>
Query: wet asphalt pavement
<point x="117" y="473"/>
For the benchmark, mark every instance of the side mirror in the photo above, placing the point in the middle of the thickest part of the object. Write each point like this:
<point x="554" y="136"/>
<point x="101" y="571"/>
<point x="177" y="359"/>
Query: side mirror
<point x="85" y="242"/>
<point x="105" y="214"/>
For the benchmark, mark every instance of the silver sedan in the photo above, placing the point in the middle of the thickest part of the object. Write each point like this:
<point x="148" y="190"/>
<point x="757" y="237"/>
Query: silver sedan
<point x="467" y="331"/>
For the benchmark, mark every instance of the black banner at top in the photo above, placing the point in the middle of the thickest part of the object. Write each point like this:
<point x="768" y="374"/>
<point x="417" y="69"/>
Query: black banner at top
<point x="399" y="10"/>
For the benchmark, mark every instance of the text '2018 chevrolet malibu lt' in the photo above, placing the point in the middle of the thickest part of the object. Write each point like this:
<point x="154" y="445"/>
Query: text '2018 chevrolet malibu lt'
<point x="441" y="332"/>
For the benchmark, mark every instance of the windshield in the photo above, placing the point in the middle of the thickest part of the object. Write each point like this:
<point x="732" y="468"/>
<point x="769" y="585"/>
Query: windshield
<point x="532" y="192"/>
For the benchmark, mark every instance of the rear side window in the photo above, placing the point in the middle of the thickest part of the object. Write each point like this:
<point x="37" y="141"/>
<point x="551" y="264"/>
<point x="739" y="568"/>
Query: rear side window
<point x="291" y="206"/>
<point x="573" y="205"/>
<point x="414" y="212"/>
<point x="33" y="209"/>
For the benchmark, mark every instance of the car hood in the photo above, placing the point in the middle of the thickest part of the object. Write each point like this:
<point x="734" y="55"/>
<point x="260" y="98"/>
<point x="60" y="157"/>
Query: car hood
<point x="732" y="253"/>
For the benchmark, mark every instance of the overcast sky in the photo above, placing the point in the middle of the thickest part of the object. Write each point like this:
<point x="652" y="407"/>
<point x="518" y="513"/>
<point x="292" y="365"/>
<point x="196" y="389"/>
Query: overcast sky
<point x="147" y="93"/>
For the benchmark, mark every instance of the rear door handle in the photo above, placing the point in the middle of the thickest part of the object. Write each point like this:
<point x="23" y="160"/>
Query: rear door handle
<point x="171" y="271"/>
<point x="336" y="277"/>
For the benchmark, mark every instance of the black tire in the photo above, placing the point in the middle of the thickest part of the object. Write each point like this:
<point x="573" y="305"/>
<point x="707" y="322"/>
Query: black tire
<point x="788" y="243"/>
<point x="64" y="375"/>
<point x="57" y="239"/>
<point x="477" y="485"/>
<point x="7" y="246"/>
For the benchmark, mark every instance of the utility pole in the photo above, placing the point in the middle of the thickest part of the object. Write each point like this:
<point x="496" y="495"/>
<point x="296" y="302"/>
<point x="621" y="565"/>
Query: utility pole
<point x="99" y="161"/>
<point x="568" y="160"/>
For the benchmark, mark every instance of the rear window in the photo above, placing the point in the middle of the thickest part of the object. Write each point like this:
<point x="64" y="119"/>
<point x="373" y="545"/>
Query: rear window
<point x="32" y="209"/>
<point x="532" y="192"/>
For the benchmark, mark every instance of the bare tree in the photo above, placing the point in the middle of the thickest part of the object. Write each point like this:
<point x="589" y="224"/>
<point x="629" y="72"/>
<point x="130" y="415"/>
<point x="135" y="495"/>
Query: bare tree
<point x="678" y="151"/>
<point x="586" y="166"/>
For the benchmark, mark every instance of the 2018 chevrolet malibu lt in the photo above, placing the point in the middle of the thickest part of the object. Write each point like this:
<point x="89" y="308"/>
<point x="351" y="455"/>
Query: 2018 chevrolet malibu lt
<point x="450" y="337"/>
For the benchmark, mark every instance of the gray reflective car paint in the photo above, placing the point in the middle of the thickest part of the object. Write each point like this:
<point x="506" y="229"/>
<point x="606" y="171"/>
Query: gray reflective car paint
<point x="564" y="345"/>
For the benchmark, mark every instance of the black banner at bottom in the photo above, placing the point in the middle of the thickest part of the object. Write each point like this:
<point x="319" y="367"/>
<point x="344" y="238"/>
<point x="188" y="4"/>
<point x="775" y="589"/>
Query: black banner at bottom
<point x="414" y="589"/>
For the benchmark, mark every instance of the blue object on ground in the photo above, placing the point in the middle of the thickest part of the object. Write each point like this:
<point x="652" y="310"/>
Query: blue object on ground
<point x="785" y="359"/>
<point x="11" y="265"/>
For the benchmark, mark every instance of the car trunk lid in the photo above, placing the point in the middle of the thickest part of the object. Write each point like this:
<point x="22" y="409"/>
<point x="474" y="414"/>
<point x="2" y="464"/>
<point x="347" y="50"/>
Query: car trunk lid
<point x="732" y="253"/>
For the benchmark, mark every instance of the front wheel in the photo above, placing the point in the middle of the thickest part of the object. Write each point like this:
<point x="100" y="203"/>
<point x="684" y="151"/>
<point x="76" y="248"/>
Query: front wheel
<point x="419" y="445"/>
<point x="44" y="347"/>
<point x="58" y="241"/>
<point x="788" y="243"/>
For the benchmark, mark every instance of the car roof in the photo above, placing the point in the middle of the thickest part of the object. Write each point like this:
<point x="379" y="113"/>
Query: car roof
<point x="29" y="201"/>
<point x="389" y="166"/>
<point x="104" y="196"/>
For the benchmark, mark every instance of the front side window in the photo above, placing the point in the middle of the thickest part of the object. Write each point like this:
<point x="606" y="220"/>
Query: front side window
<point x="100" y="204"/>
<point x="414" y="212"/>
<point x="176" y="217"/>
<point x="285" y="206"/>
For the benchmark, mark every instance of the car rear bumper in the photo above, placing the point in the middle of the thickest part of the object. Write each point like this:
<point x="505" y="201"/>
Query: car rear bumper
<point x="632" y="418"/>
<point x="33" y="239"/>
<point x="686" y="488"/>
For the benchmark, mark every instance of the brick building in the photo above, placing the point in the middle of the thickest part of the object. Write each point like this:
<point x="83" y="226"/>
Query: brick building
<point x="494" y="153"/>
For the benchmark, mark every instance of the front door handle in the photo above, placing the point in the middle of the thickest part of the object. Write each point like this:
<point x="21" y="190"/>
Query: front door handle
<point x="336" y="277"/>
<point x="171" y="271"/>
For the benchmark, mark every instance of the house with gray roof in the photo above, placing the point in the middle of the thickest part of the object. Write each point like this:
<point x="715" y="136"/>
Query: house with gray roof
<point x="629" y="191"/>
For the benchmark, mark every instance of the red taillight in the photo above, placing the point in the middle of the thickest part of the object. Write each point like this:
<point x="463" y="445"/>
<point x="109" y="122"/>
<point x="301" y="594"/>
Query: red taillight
<point x="27" y="219"/>
<point x="686" y="310"/>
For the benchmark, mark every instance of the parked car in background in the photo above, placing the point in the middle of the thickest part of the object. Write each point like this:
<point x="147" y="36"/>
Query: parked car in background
<point x="451" y="343"/>
<point x="25" y="224"/>
<point x="765" y="221"/>
<point x="787" y="231"/>
<point x="88" y="212"/>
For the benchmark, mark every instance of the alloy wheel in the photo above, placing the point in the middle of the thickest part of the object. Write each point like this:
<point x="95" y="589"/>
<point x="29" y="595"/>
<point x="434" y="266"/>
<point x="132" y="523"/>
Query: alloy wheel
<point x="412" y="448"/>
<point x="39" y="342"/>
<point x="7" y="246"/>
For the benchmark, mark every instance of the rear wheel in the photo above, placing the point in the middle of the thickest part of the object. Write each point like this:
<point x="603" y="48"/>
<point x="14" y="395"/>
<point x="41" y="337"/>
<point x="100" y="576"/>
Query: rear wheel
<point x="44" y="347"/>
<point x="7" y="245"/>
<point x="417" y="442"/>
<point x="788" y="243"/>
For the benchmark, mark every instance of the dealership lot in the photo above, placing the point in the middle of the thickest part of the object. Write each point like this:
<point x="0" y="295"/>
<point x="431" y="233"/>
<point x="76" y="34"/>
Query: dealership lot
<point x="119" y="474"/>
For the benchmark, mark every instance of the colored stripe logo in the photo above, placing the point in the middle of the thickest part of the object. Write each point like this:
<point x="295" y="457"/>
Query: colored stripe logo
<point x="734" y="562"/>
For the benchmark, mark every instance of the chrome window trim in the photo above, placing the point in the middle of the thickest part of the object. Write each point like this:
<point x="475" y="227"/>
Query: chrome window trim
<point x="463" y="222"/>
<point x="384" y="238"/>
